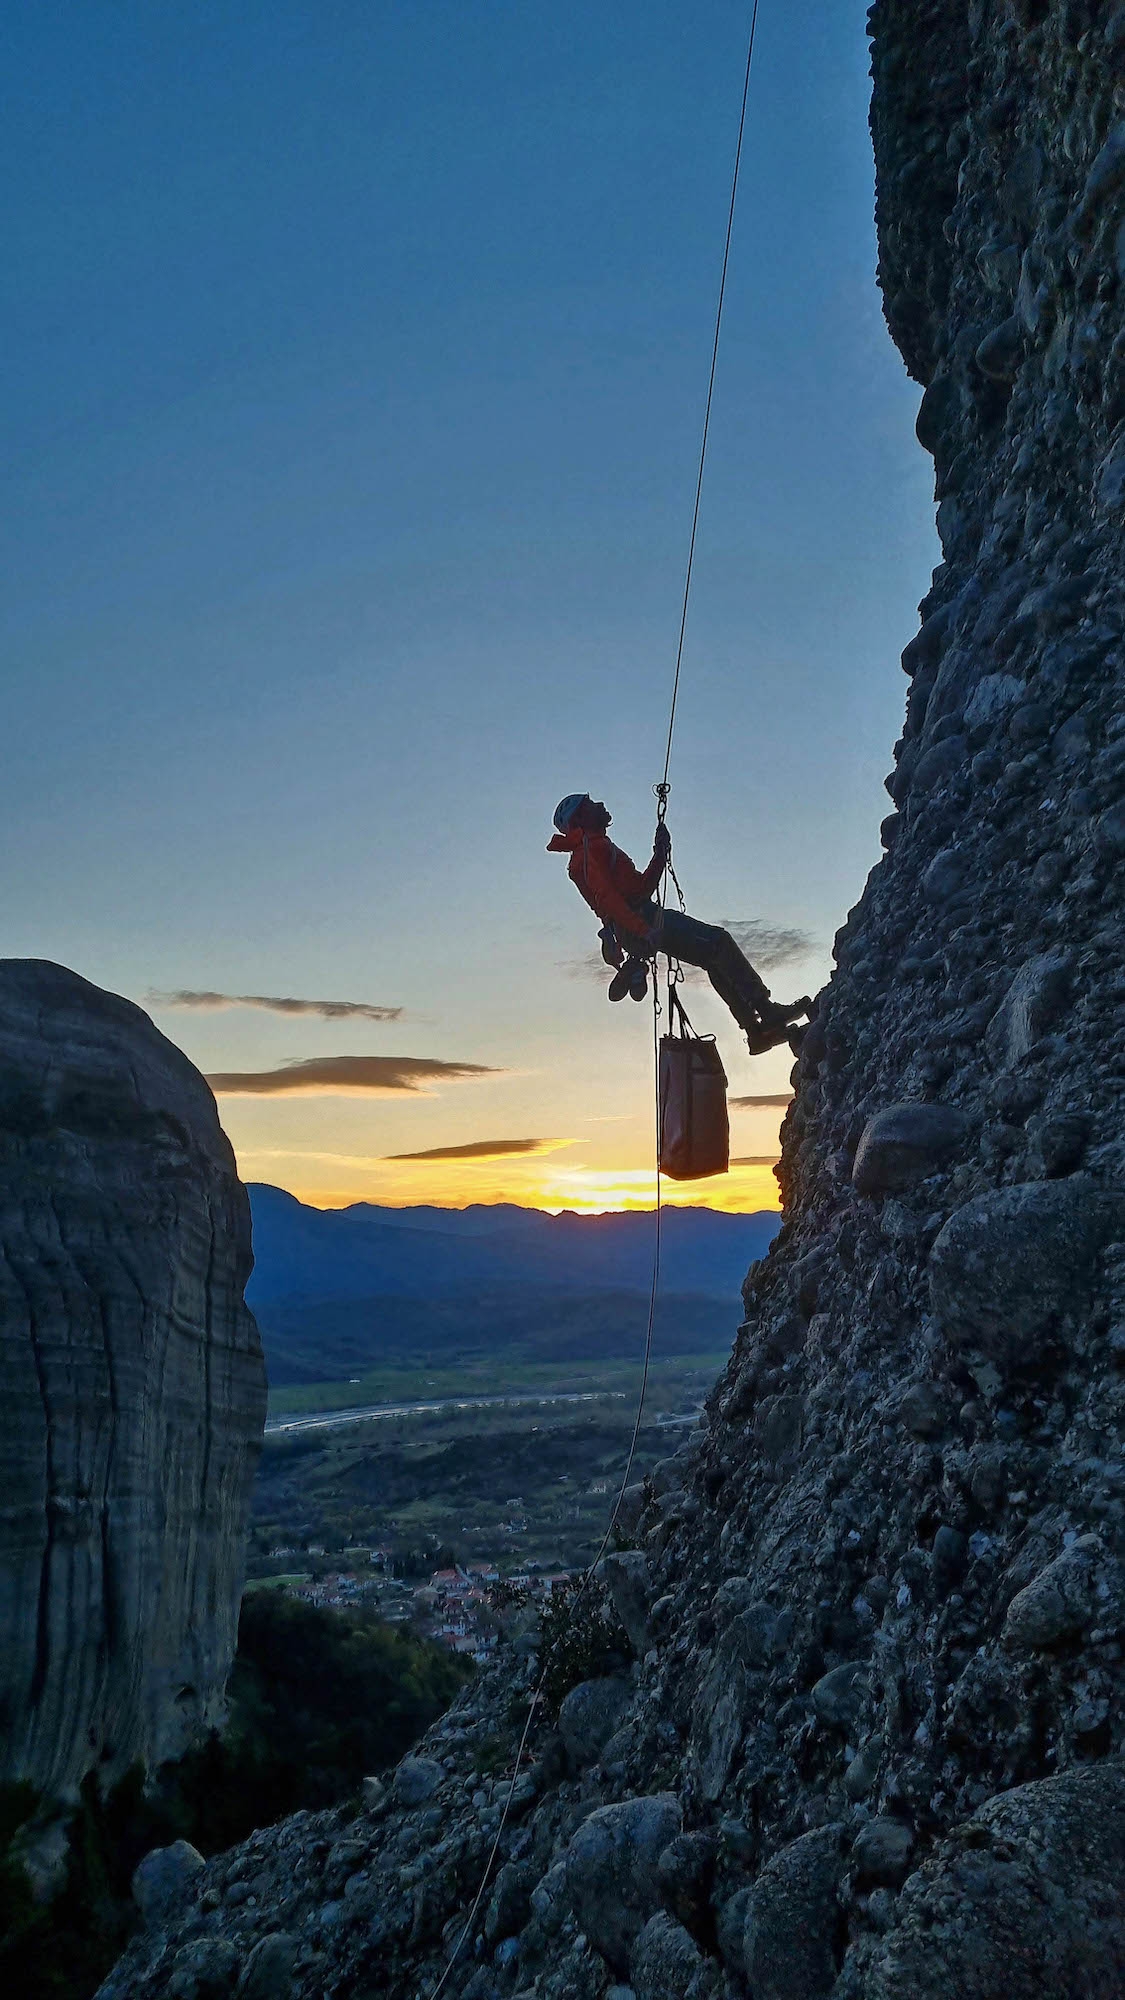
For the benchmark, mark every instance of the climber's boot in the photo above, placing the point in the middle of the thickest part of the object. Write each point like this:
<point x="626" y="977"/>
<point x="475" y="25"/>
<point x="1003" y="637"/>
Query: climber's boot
<point x="776" y="1015"/>
<point x="621" y="983"/>
<point x="767" y="1035"/>
<point x="638" y="978"/>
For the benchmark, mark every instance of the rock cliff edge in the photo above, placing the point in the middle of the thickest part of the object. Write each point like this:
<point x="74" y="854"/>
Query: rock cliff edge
<point x="133" y="1386"/>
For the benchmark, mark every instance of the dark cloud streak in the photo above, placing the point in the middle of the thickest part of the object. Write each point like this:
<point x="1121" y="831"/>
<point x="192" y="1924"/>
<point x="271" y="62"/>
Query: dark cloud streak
<point x="780" y="1098"/>
<point x="769" y="947"/>
<point x="484" y="1149"/>
<point x="327" y="1010"/>
<point x="345" y="1075"/>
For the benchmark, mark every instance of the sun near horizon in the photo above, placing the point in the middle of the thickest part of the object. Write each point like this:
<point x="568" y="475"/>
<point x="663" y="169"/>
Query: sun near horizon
<point x="745" y="1190"/>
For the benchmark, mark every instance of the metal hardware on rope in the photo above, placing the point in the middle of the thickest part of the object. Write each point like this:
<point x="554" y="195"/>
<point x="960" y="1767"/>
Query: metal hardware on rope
<point x="676" y="880"/>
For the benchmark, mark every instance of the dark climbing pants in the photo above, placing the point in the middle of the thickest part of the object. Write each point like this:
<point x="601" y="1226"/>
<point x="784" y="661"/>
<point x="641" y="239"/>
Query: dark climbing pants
<point x="716" y="953"/>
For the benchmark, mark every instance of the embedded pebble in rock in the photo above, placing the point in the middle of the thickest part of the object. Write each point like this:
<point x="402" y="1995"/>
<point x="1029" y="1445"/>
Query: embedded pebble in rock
<point x="853" y="1653"/>
<point x="904" y="1143"/>
<point x="589" y="1715"/>
<point x="510" y="1903"/>
<point x="882" y="1851"/>
<point x="162" y="1878"/>
<point x="1061" y="1600"/>
<point x="268" y="1971"/>
<point x="611" y="1870"/>
<point x="685" y="1874"/>
<point x="863" y="1770"/>
<point x="416" y="1780"/>
<point x="1010" y="1264"/>
<point x="793" y="1920"/>
<point x="667" y="1963"/>
<point x="205" y="1970"/>
<point x="837" y="1697"/>
<point x="1036" y="998"/>
<point x="924" y="1409"/>
<point x="629" y="1584"/>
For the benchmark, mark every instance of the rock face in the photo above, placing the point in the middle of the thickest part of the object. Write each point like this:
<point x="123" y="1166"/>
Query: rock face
<point x="878" y="1612"/>
<point x="134" y="1388"/>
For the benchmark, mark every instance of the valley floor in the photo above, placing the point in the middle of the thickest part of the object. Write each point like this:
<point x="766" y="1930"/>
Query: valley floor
<point x="440" y="1510"/>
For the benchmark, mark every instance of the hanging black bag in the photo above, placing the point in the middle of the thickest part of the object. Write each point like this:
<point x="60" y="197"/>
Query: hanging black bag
<point x="694" y="1127"/>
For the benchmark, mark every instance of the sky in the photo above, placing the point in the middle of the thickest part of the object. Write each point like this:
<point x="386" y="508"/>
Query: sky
<point x="355" y="371"/>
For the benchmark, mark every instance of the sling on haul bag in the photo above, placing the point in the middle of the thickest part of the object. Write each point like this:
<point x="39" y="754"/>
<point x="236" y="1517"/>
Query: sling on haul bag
<point x="694" y="1127"/>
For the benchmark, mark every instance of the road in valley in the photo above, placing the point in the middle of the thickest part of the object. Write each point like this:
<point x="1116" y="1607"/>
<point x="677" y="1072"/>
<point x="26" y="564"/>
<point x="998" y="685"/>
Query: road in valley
<point x="326" y="1420"/>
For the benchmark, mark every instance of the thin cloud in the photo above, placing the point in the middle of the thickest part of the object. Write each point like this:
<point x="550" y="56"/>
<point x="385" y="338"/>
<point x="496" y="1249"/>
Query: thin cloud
<point x="484" y="1149"/>
<point x="779" y="1097"/>
<point x="327" y="1010"/>
<point x="297" y="1153"/>
<point x="756" y="1160"/>
<point x="344" y="1076"/>
<point x="769" y="947"/>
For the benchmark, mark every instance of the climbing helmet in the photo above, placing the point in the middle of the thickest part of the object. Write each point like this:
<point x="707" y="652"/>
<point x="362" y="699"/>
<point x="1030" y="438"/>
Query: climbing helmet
<point x="566" y="809"/>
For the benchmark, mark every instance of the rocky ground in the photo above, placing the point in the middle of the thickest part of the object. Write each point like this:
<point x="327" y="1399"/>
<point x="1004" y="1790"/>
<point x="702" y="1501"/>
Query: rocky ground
<point x="870" y="1741"/>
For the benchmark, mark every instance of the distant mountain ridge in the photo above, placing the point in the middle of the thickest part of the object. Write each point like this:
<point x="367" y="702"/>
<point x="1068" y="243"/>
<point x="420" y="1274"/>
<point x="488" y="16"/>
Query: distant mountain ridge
<point x="367" y="1251"/>
<point x="341" y="1291"/>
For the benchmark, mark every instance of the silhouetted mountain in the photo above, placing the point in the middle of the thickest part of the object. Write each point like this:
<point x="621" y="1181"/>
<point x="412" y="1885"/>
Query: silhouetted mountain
<point x="340" y="1291"/>
<point x="366" y="1251"/>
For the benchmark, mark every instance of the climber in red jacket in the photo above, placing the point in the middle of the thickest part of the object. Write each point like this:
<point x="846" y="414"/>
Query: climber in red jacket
<point x="634" y="927"/>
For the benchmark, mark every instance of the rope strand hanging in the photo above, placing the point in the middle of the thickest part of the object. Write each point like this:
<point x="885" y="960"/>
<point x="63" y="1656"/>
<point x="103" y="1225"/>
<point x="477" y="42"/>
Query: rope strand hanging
<point x="662" y="790"/>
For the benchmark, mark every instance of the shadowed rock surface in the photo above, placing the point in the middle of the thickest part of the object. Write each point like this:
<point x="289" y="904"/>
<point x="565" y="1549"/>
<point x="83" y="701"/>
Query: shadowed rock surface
<point x="134" y="1390"/>
<point x="877" y="1604"/>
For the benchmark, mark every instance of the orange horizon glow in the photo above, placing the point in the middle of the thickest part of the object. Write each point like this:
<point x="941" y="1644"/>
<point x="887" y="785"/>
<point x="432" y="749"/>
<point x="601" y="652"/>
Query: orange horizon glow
<point x="578" y="1189"/>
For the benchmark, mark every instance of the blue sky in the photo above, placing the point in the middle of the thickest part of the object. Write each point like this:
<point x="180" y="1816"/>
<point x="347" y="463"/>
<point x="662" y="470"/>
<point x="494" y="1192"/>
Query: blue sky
<point x="356" y="364"/>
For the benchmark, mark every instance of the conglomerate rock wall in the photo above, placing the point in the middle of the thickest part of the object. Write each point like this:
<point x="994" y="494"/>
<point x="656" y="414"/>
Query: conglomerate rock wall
<point x="133" y="1387"/>
<point x="871" y="1743"/>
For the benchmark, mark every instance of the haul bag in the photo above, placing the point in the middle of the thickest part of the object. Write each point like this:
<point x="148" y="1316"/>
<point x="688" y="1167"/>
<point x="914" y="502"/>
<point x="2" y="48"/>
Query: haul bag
<point x="694" y="1127"/>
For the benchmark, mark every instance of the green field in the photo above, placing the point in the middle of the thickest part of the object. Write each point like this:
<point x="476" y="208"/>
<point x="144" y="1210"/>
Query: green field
<point x="511" y="1484"/>
<point x="480" y="1375"/>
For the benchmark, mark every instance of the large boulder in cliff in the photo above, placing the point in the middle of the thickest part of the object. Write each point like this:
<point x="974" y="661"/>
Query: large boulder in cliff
<point x="134" y="1387"/>
<point x="1009" y="1265"/>
<point x="1029" y="1902"/>
<point x="611" y="1870"/>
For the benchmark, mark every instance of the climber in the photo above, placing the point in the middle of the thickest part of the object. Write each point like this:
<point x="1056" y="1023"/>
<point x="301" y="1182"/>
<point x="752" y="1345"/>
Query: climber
<point x="635" y="928"/>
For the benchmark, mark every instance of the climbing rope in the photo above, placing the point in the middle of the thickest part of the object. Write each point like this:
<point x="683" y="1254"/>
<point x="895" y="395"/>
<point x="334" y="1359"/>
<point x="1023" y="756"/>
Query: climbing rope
<point x="674" y="975"/>
<point x="588" y="1573"/>
<point x="663" y="788"/>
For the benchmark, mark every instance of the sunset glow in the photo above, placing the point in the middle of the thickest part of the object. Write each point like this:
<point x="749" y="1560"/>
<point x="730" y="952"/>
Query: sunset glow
<point x="535" y="1183"/>
<point x="372" y="539"/>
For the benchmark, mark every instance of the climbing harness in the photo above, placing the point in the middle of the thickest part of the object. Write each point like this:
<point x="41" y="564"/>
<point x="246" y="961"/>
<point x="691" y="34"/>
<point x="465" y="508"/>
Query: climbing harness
<point x="693" y="1043"/>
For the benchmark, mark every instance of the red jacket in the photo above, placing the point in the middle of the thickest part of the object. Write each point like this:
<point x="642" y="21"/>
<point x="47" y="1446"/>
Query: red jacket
<point x="608" y="880"/>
